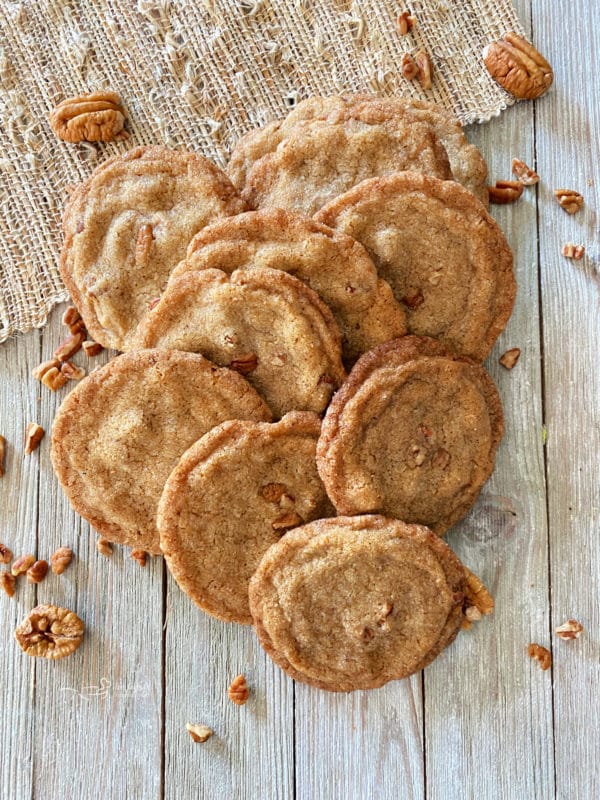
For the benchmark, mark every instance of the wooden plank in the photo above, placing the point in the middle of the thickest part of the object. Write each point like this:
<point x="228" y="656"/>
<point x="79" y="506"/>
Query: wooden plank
<point x="251" y="754"/>
<point x="18" y="517"/>
<point x="98" y="712"/>
<point x="568" y="132"/>
<point x="488" y="710"/>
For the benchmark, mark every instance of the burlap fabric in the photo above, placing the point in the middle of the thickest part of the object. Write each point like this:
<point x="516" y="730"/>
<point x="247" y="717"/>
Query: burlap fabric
<point x="198" y="75"/>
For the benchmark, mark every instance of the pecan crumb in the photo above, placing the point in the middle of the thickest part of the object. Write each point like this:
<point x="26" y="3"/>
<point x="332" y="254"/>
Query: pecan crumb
<point x="244" y="364"/>
<point x="91" y="348"/>
<point x="525" y="174"/>
<point x="510" y="358"/>
<point x="272" y="492"/>
<point x="61" y="559"/>
<point x="37" y="571"/>
<point x="424" y="66"/>
<point x="569" y="199"/>
<point x="477" y="601"/>
<point x="405" y="23"/>
<point x="72" y="371"/>
<point x="574" y="251"/>
<point x="33" y="436"/>
<point x="238" y="691"/>
<point x="96" y="117"/>
<point x="199" y="733"/>
<point x="139" y="556"/>
<point x="50" y="632"/>
<point x="571" y="629"/>
<point x="505" y="192"/>
<point x="22" y="564"/>
<point x="2" y="454"/>
<point x="5" y="554"/>
<point x="541" y="654"/>
<point x="408" y="67"/>
<point x="289" y="520"/>
<point x="69" y="347"/>
<point x="104" y="547"/>
<point x="9" y="583"/>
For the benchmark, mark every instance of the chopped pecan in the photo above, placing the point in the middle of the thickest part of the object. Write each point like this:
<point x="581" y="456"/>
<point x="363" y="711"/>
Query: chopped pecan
<point x="22" y="564"/>
<point x="273" y="492"/>
<point x="143" y="243"/>
<point x="61" y="559"/>
<point x="50" y="632"/>
<point x="37" y="571"/>
<point x="69" y="347"/>
<point x="5" y="554"/>
<point x="518" y="67"/>
<point x="97" y="117"/>
<point x="477" y="601"/>
<point x="199" y="733"/>
<point x="33" y="436"/>
<point x="405" y="23"/>
<point x="571" y="629"/>
<point x="286" y="521"/>
<point x="510" y="358"/>
<point x="72" y="371"/>
<point x="569" y="199"/>
<point x="54" y="379"/>
<point x="408" y="67"/>
<point x="245" y="363"/>
<point x="71" y="316"/>
<point x="525" y="174"/>
<point x="238" y="691"/>
<point x="104" y="547"/>
<point x="139" y="556"/>
<point x="91" y="348"/>
<point x="505" y="192"/>
<point x="9" y="583"/>
<point x="574" y="251"/>
<point x="424" y="66"/>
<point x="39" y="372"/>
<point x="2" y="454"/>
<point x="541" y="654"/>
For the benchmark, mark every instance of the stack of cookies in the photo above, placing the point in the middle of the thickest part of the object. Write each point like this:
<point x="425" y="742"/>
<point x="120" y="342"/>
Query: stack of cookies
<point x="300" y="410"/>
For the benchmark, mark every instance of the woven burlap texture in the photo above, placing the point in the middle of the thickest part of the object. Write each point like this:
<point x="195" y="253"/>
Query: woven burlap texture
<point x="198" y="75"/>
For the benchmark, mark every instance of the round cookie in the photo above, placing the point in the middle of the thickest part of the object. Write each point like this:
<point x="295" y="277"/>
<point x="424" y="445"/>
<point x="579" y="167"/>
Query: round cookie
<point x="354" y="602"/>
<point x="335" y="266"/>
<point x="128" y="225"/>
<point x="319" y="160"/>
<point x="268" y="325"/>
<point x="466" y="162"/>
<point x="118" y="435"/>
<point x="234" y="493"/>
<point x="443" y="255"/>
<point x="412" y="433"/>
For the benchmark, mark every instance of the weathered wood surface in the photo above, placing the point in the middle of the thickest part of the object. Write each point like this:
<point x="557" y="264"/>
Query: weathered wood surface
<point x="483" y="721"/>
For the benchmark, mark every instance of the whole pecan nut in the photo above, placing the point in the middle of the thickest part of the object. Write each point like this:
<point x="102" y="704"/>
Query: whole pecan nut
<point x="50" y="632"/>
<point x="97" y="117"/>
<point x="518" y="67"/>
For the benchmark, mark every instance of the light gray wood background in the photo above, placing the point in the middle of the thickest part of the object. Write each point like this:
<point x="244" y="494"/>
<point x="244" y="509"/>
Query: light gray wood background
<point x="483" y="721"/>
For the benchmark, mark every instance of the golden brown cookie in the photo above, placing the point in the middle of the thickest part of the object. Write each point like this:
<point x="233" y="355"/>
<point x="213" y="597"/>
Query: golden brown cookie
<point x="445" y="258"/>
<point x="319" y="160"/>
<point x="268" y="325"/>
<point x="118" y="435"/>
<point x="354" y="602"/>
<point x="412" y="433"/>
<point x="332" y="264"/>
<point x="466" y="162"/>
<point x="128" y="225"/>
<point x="234" y="493"/>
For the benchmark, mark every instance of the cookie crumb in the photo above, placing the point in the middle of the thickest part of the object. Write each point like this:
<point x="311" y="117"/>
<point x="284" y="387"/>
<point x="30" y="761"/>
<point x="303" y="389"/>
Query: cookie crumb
<point x="238" y="691"/>
<point x="541" y="654"/>
<point x="571" y="629"/>
<point x="104" y="547"/>
<point x="510" y="358"/>
<point x="199" y="733"/>
<point x="139" y="556"/>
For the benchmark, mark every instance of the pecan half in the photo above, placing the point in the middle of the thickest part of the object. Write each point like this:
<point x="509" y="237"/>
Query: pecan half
<point x="238" y="691"/>
<point x="199" y="733"/>
<point x="61" y="559"/>
<point x="245" y="363"/>
<point x="33" y="436"/>
<point x="541" y="654"/>
<point x="569" y="199"/>
<point x="525" y="174"/>
<point x="50" y="632"/>
<point x="405" y="23"/>
<point x="574" y="251"/>
<point x="37" y="571"/>
<point x="22" y="564"/>
<point x="505" y="192"/>
<point x="424" y="66"/>
<point x="571" y="629"/>
<point x="510" y="358"/>
<point x="518" y="67"/>
<point x="97" y="117"/>
<point x="408" y="67"/>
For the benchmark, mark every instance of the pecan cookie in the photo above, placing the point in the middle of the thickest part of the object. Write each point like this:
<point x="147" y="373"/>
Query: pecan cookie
<point x="337" y="267"/>
<point x="354" y="602"/>
<point x="268" y="325"/>
<point x="445" y="258"/>
<point x="118" y="435"/>
<point x="319" y="160"/>
<point x="265" y="478"/>
<point x="128" y="225"/>
<point x="466" y="162"/>
<point x="412" y="433"/>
